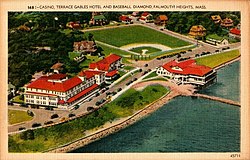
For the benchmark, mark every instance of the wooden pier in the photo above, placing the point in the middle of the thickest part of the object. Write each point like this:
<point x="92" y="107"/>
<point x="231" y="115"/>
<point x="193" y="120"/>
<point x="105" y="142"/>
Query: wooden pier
<point x="219" y="99"/>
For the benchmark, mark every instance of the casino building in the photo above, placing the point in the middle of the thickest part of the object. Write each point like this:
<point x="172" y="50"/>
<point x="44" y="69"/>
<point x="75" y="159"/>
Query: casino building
<point x="188" y="72"/>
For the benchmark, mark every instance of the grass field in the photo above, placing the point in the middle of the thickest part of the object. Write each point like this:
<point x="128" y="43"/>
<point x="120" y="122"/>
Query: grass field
<point x="218" y="59"/>
<point x="150" y="49"/>
<point x="125" y="105"/>
<point x="16" y="116"/>
<point x="135" y="34"/>
<point x="17" y="99"/>
<point x="153" y="74"/>
<point x="107" y="50"/>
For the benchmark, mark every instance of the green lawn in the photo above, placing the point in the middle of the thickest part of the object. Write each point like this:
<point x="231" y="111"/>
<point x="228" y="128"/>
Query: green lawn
<point x="217" y="37"/>
<point x="133" y="100"/>
<point x="135" y="34"/>
<point x="129" y="68"/>
<point x="107" y="50"/>
<point x="50" y="137"/>
<point x="17" y="99"/>
<point x="16" y="116"/>
<point x="218" y="59"/>
<point x="150" y="49"/>
<point x="72" y="55"/>
<point x="90" y="59"/>
<point x="153" y="74"/>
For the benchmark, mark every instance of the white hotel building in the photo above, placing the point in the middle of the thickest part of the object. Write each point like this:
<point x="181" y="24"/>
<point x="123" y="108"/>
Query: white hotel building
<point x="57" y="90"/>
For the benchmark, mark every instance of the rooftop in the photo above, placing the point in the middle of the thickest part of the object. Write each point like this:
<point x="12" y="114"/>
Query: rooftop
<point x="188" y="67"/>
<point x="59" y="86"/>
<point x="104" y="64"/>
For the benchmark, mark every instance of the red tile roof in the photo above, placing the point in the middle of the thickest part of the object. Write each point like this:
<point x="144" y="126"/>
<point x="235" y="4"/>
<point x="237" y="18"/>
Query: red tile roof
<point x="89" y="73"/>
<point x="235" y="31"/>
<point x="111" y="73"/>
<point x="82" y="93"/>
<point x="44" y="83"/>
<point x="144" y="14"/>
<point x="188" y="67"/>
<point x="61" y="101"/>
<point x="55" y="76"/>
<point x="124" y="18"/>
<point x="104" y="64"/>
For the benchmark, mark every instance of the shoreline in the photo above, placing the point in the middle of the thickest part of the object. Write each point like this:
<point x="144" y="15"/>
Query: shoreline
<point x="117" y="125"/>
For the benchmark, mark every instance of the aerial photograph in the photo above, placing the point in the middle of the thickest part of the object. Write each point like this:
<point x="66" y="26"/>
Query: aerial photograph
<point x="124" y="82"/>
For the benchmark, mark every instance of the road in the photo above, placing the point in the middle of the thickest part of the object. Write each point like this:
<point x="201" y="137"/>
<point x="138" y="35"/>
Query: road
<point x="42" y="115"/>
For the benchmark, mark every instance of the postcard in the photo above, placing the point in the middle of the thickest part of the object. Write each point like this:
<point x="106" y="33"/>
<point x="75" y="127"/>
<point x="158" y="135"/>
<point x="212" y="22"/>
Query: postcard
<point x="125" y="80"/>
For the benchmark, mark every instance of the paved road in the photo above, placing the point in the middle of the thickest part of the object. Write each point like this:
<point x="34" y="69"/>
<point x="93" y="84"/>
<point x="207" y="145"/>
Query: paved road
<point x="42" y="115"/>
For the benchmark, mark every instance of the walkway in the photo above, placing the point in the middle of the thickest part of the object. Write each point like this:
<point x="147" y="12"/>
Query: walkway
<point x="219" y="99"/>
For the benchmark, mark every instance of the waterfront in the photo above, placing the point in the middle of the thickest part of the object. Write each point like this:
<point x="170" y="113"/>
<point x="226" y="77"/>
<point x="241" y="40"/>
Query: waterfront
<point x="198" y="126"/>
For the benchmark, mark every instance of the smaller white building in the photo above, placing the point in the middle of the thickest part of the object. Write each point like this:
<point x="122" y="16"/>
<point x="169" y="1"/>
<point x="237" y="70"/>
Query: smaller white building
<point x="188" y="72"/>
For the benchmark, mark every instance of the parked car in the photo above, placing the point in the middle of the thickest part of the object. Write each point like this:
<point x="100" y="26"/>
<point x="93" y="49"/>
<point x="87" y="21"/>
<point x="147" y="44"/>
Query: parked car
<point x="10" y="103"/>
<point x="21" y="128"/>
<point x="119" y="89"/>
<point x="36" y="125"/>
<point x="90" y="108"/>
<point x="71" y="115"/>
<point x="146" y="65"/>
<point x="54" y="116"/>
<point x="76" y="106"/>
<point x="48" y="122"/>
<point x="97" y="94"/>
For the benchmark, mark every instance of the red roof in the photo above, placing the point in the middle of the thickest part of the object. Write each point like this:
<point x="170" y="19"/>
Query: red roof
<point x="104" y="64"/>
<point x="62" y="86"/>
<point x="82" y="93"/>
<point x="235" y="31"/>
<point x="89" y="73"/>
<point x="144" y="14"/>
<point x="188" y="67"/>
<point x="61" y="101"/>
<point x="55" y="76"/>
<point x="111" y="73"/>
<point x="124" y="18"/>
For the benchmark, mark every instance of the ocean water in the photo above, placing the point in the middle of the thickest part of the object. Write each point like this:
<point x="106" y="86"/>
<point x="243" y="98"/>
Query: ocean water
<point x="228" y="83"/>
<point x="184" y="124"/>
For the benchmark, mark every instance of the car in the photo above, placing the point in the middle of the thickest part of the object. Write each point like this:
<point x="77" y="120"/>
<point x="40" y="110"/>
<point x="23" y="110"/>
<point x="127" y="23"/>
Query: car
<point x="76" y="106"/>
<point x="146" y="65"/>
<point x="97" y="103"/>
<point x="54" y="116"/>
<point x="10" y="103"/>
<point x="119" y="89"/>
<point x="90" y="108"/>
<point x="163" y="57"/>
<point x="190" y="50"/>
<point x="107" y="88"/>
<point x="158" y="58"/>
<point x="36" y="125"/>
<point x="228" y="48"/>
<point x="21" y="128"/>
<point x="135" y="79"/>
<point x="90" y="99"/>
<point x="48" y="122"/>
<point x="149" y="70"/>
<point x="97" y="94"/>
<point x="102" y="101"/>
<point x="114" y="93"/>
<point x="140" y="70"/>
<point x="71" y="115"/>
<point x="108" y="93"/>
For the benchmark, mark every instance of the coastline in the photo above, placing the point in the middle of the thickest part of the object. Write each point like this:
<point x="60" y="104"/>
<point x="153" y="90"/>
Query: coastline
<point x="115" y="126"/>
